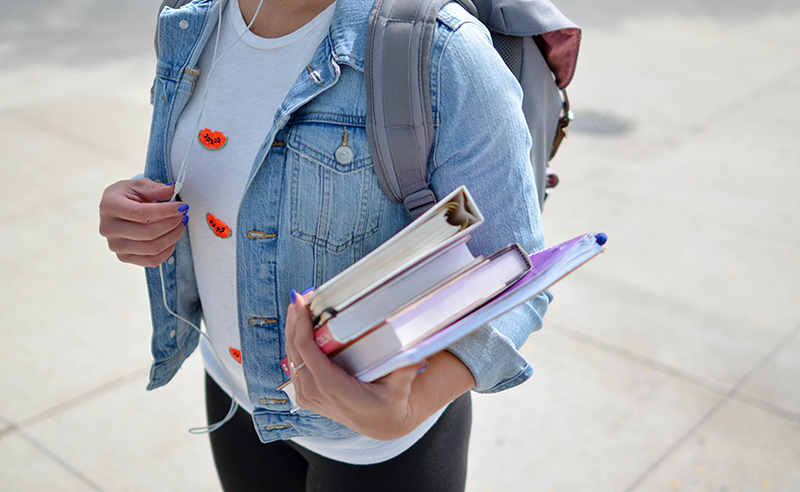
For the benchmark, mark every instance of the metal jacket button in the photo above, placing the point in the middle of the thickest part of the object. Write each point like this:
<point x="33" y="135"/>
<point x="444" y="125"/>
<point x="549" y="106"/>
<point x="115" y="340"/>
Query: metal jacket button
<point x="315" y="76"/>
<point x="271" y="401"/>
<point x="277" y="427"/>
<point x="344" y="154"/>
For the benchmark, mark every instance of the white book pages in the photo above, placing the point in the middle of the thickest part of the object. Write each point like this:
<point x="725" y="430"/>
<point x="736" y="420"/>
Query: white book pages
<point x="375" y="307"/>
<point x="459" y="296"/>
<point x="438" y="228"/>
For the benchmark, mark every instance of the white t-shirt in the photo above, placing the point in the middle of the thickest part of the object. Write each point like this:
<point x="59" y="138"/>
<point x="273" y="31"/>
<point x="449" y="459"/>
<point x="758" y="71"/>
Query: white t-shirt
<point x="247" y="86"/>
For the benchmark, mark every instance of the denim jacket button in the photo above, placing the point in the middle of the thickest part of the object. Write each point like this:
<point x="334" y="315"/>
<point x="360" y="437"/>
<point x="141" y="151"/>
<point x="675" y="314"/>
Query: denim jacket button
<point x="315" y="76"/>
<point x="344" y="155"/>
<point x="184" y="24"/>
<point x="271" y="401"/>
<point x="172" y="334"/>
<point x="277" y="427"/>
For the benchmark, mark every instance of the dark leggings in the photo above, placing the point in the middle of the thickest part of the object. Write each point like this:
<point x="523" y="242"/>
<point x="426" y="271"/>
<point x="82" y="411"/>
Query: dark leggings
<point x="437" y="462"/>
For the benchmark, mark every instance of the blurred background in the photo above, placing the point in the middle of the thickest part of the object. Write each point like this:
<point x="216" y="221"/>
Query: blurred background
<point x="671" y="362"/>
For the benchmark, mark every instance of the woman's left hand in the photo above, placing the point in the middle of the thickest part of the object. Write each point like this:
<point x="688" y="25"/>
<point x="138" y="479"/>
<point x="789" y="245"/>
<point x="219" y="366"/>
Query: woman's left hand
<point x="384" y="409"/>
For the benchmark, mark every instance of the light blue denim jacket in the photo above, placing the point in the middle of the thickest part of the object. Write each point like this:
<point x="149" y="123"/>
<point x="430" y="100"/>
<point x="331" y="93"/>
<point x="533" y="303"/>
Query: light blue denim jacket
<point x="305" y="216"/>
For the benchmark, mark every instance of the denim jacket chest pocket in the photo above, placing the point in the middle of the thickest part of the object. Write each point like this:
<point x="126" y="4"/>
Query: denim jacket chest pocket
<point x="336" y="200"/>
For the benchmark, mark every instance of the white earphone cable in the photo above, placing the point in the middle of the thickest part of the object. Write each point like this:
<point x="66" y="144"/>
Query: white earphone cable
<point x="185" y="163"/>
<point x="234" y="405"/>
<point x="178" y="185"/>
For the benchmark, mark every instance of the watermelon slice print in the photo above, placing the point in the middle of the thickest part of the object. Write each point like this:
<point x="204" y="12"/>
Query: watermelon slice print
<point x="219" y="228"/>
<point x="212" y="140"/>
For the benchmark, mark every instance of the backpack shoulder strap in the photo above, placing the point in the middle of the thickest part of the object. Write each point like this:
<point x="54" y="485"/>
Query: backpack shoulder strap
<point x="400" y="129"/>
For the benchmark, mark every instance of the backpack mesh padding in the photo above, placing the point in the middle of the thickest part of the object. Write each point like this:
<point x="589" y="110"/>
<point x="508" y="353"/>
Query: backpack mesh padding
<point x="510" y="49"/>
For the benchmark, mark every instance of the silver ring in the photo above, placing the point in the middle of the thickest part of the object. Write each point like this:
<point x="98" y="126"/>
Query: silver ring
<point x="295" y="368"/>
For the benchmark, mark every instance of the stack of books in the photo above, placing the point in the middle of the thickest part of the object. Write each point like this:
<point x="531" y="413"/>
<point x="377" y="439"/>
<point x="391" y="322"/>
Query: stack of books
<point x="423" y="290"/>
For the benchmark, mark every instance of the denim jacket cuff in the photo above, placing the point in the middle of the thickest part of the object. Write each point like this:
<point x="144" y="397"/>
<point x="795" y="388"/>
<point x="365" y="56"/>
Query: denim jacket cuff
<point x="493" y="360"/>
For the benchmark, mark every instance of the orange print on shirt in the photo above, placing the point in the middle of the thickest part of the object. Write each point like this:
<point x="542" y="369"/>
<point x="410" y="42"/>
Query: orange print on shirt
<point x="219" y="228"/>
<point x="236" y="354"/>
<point x="212" y="140"/>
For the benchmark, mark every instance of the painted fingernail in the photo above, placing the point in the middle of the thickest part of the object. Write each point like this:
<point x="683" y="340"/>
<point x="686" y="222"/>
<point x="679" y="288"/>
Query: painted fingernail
<point x="423" y="368"/>
<point x="307" y="291"/>
<point x="183" y="208"/>
<point x="293" y="294"/>
<point x="170" y="183"/>
<point x="185" y="220"/>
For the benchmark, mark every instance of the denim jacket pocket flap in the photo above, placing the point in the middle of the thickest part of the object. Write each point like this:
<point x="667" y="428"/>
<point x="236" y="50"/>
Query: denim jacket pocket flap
<point x="342" y="148"/>
<point x="336" y="199"/>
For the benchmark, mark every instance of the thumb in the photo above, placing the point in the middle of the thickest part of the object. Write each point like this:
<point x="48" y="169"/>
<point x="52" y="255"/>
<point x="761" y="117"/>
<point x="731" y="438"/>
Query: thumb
<point x="148" y="190"/>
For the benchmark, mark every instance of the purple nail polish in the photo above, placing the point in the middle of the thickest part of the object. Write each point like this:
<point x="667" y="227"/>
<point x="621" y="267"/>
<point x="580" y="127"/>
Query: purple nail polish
<point x="185" y="220"/>
<point x="423" y="368"/>
<point x="293" y="294"/>
<point x="183" y="208"/>
<point x="170" y="183"/>
<point x="307" y="290"/>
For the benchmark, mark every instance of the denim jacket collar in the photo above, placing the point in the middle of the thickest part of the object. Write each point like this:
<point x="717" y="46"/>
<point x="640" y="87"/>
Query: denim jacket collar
<point x="347" y="30"/>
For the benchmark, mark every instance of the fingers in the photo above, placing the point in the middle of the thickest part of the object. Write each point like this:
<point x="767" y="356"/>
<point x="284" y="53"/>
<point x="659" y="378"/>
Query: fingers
<point x="139" y="229"/>
<point x="147" y="260"/>
<point x="138" y="201"/>
<point x="148" y="253"/>
<point x="320" y="385"/>
<point x="116" y="228"/>
<point x="303" y="343"/>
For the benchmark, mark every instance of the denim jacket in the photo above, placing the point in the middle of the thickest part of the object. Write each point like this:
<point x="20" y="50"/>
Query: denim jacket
<point x="305" y="216"/>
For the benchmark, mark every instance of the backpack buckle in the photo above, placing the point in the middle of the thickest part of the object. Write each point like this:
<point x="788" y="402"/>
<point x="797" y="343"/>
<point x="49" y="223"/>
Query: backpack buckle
<point x="563" y="122"/>
<point x="419" y="202"/>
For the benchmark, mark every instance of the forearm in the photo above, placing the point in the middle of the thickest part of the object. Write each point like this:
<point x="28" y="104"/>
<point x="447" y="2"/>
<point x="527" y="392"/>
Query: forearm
<point x="446" y="379"/>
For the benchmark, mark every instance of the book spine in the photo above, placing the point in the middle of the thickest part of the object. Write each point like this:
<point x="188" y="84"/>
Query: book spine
<point x="325" y="340"/>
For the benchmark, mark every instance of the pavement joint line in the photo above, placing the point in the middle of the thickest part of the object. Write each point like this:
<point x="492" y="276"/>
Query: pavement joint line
<point x="693" y="213"/>
<point x="720" y="403"/>
<point x="635" y="153"/>
<point x="73" y="402"/>
<point x="727" y="391"/>
<point x="53" y="129"/>
<point x="59" y="461"/>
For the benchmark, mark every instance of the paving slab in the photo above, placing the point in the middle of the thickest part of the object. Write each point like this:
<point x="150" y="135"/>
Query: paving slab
<point x="5" y="425"/>
<point x="668" y="71"/>
<point x="702" y="345"/>
<point x="128" y="439"/>
<point x="29" y="468"/>
<point x="739" y="448"/>
<point x="778" y="381"/>
<point x="664" y="74"/>
<point x="587" y="420"/>
<point x="74" y="317"/>
<point x="702" y="256"/>
<point x="113" y="125"/>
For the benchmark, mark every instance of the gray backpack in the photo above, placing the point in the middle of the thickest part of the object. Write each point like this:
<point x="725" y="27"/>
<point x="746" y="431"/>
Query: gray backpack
<point x="538" y="44"/>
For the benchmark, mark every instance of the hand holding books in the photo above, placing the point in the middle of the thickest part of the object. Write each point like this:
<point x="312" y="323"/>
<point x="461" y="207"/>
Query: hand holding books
<point x="386" y="409"/>
<point x="422" y="290"/>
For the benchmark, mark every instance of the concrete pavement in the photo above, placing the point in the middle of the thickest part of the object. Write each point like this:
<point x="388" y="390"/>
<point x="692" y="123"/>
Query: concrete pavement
<point x="672" y="362"/>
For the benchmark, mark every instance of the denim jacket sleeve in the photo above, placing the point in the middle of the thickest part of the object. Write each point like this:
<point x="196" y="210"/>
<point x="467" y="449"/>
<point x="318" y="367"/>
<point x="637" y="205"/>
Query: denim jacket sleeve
<point x="482" y="141"/>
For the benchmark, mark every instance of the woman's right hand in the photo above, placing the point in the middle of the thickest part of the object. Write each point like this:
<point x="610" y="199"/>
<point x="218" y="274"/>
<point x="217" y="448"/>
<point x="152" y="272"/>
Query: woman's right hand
<point x="141" y="226"/>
